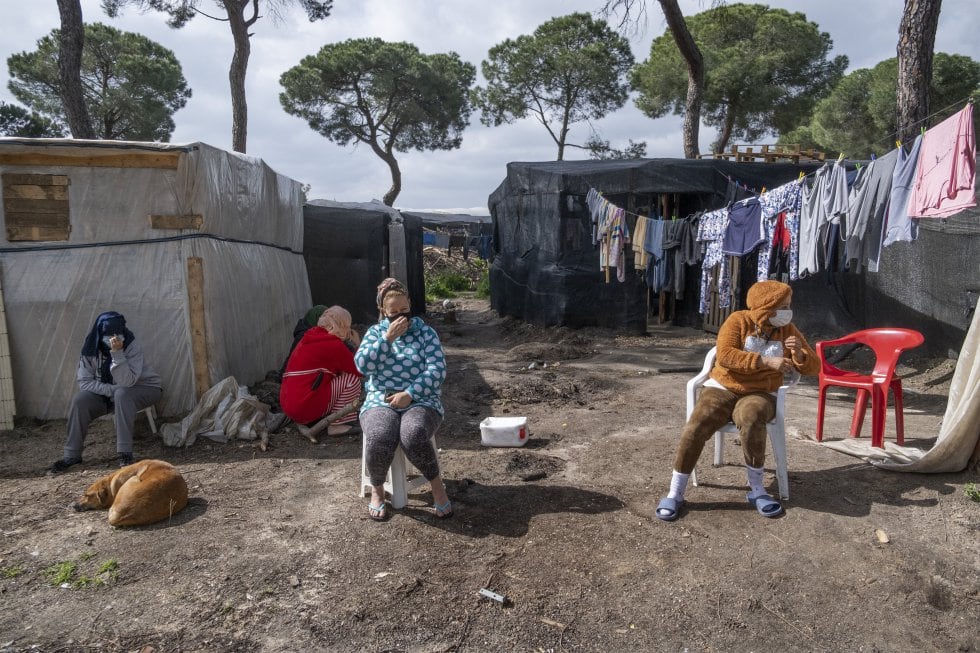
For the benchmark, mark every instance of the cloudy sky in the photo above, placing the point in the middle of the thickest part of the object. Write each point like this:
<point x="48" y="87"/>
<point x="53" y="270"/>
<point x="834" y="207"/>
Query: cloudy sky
<point x="864" y="30"/>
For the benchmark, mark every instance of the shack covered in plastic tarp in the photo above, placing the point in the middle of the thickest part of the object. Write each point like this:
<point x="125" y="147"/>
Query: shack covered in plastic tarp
<point x="199" y="248"/>
<point x="546" y="269"/>
<point x="350" y="247"/>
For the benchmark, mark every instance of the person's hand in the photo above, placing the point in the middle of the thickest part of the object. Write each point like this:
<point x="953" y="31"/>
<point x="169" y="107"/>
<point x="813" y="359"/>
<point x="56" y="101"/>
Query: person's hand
<point x="116" y="343"/>
<point x="794" y="345"/>
<point x="777" y="363"/>
<point x="397" y="328"/>
<point x="399" y="399"/>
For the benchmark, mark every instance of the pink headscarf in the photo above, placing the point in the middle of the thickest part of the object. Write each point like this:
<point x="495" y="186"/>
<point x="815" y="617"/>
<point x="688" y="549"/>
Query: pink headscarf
<point x="336" y="320"/>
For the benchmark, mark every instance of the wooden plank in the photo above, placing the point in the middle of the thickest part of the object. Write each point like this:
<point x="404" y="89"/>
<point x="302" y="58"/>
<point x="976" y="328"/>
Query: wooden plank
<point x="52" y="220"/>
<point x="12" y="179"/>
<point x="37" y="233"/>
<point x="11" y="205"/>
<point x="163" y="160"/>
<point x="7" y="408"/>
<point x="35" y="192"/>
<point x="185" y="221"/>
<point x="199" y="340"/>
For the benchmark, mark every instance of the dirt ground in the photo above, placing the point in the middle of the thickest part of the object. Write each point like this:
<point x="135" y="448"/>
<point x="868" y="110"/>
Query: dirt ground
<point x="276" y="551"/>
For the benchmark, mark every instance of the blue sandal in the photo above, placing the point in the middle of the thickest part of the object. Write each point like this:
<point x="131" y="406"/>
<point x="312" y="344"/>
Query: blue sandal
<point x="444" y="511"/>
<point x="765" y="505"/>
<point x="378" y="513"/>
<point x="669" y="509"/>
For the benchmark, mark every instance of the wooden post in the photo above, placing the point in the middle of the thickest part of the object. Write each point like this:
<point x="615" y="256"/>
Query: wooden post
<point x="199" y="341"/>
<point x="7" y="407"/>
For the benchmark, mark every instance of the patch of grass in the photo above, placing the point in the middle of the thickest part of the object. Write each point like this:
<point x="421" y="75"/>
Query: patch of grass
<point x="11" y="572"/>
<point x="447" y="284"/>
<point x="483" y="285"/>
<point x="971" y="491"/>
<point x="67" y="572"/>
<point x="61" y="572"/>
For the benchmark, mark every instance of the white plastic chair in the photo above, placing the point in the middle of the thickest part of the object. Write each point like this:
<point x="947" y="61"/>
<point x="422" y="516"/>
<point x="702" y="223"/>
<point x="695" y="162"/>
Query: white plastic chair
<point x="397" y="483"/>
<point x="776" y="428"/>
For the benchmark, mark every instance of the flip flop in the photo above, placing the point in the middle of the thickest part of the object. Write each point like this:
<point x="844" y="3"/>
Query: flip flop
<point x="671" y="509"/>
<point x="765" y="505"/>
<point x="444" y="511"/>
<point x="378" y="513"/>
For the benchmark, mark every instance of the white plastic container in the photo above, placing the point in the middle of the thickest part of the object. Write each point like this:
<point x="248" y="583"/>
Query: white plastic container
<point x="504" y="431"/>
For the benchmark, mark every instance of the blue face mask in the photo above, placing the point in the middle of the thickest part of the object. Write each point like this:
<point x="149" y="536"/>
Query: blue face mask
<point x="105" y="341"/>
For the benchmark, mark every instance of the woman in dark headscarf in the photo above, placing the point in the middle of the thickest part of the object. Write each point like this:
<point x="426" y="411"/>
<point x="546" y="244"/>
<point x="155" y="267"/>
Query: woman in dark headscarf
<point x="112" y="378"/>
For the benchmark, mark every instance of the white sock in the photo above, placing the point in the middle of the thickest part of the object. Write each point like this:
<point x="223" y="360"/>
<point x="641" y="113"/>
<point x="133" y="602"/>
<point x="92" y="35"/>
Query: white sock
<point x="678" y="483"/>
<point x="755" y="481"/>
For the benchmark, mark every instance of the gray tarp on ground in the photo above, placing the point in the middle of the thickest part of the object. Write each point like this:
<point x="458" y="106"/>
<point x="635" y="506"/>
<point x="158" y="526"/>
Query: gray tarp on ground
<point x="960" y="430"/>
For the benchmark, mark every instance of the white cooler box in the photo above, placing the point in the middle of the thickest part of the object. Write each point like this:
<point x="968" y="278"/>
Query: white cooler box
<point x="504" y="431"/>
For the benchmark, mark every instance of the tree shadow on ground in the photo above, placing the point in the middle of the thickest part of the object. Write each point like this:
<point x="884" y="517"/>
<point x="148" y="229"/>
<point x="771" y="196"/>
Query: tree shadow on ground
<point x="482" y="510"/>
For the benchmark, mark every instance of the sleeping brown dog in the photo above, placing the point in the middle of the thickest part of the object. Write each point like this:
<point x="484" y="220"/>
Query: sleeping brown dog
<point x="138" y="494"/>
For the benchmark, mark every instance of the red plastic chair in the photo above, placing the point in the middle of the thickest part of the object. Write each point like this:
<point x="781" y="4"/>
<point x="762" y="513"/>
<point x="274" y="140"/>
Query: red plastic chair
<point x="887" y="344"/>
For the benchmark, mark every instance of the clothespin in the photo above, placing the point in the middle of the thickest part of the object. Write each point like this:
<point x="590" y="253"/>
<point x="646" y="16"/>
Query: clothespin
<point x="872" y="156"/>
<point x="922" y="130"/>
<point x="840" y="158"/>
<point x="857" y="166"/>
<point x="763" y="191"/>
<point x="898" y="143"/>
<point x="800" y="178"/>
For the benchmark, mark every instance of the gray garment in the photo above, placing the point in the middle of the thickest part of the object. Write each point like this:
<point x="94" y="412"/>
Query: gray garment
<point x="822" y="204"/>
<point x="127" y="368"/>
<point x="900" y="226"/>
<point x="385" y="429"/>
<point x="125" y="403"/>
<point x="869" y="199"/>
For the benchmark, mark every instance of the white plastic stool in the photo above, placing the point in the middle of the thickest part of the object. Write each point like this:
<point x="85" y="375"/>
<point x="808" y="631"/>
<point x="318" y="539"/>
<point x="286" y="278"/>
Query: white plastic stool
<point x="397" y="483"/>
<point x="151" y="415"/>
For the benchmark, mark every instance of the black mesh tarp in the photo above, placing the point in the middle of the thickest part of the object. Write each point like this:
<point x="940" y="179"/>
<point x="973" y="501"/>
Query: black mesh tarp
<point x="546" y="269"/>
<point x="346" y="253"/>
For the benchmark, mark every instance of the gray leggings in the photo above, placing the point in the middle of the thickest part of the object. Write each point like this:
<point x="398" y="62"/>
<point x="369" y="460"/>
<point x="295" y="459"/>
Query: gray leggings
<point x="385" y="428"/>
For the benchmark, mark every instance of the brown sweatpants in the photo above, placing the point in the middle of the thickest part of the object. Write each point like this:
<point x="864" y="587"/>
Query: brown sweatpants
<point x="715" y="408"/>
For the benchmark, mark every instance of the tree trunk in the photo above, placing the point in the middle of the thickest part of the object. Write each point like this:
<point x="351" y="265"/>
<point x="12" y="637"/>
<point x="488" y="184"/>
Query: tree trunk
<point x="236" y="74"/>
<point x="726" y="133"/>
<point x="70" y="44"/>
<point x="695" y="75"/>
<point x="396" y="177"/>
<point x="916" y="39"/>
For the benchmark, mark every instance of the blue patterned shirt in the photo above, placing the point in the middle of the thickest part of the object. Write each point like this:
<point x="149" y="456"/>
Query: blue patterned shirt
<point x="414" y="362"/>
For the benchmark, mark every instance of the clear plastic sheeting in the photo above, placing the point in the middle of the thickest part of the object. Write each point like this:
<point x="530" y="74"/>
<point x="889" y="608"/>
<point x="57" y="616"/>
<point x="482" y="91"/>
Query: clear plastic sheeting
<point x="226" y="412"/>
<point x="249" y="246"/>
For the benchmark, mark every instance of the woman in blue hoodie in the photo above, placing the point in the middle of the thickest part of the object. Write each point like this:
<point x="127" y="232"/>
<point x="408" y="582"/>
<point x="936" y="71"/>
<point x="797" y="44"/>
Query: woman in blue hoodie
<point x="403" y="364"/>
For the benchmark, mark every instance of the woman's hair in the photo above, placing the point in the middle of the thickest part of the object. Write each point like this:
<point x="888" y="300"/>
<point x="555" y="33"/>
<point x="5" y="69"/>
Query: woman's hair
<point x="389" y="286"/>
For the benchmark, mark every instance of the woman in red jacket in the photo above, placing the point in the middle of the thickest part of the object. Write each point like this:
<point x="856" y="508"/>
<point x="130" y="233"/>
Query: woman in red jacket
<point x="320" y="375"/>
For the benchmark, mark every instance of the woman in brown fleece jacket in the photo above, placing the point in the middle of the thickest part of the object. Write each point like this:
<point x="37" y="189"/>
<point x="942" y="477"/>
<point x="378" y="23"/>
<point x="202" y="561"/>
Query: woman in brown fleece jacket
<point x="755" y="348"/>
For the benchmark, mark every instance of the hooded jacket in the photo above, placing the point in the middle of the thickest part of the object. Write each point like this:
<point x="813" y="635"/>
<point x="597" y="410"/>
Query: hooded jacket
<point x="319" y="355"/>
<point x="742" y="372"/>
<point x="413" y="363"/>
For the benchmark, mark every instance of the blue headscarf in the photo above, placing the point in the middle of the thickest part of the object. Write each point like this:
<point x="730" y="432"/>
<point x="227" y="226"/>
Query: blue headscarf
<point x="109" y="323"/>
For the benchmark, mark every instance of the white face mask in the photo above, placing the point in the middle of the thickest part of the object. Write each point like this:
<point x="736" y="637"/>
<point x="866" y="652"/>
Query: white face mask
<point x="781" y="318"/>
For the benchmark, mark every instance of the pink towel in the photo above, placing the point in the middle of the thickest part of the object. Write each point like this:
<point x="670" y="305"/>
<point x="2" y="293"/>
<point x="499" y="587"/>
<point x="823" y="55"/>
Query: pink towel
<point x="944" y="179"/>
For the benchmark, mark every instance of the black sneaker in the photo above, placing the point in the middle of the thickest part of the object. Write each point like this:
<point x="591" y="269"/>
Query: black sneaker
<point x="63" y="464"/>
<point x="125" y="459"/>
